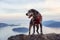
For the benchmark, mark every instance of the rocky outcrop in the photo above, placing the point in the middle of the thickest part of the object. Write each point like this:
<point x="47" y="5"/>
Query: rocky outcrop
<point x="35" y="37"/>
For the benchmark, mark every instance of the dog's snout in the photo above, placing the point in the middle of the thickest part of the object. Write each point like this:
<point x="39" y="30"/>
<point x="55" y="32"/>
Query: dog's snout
<point x="26" y="14"/>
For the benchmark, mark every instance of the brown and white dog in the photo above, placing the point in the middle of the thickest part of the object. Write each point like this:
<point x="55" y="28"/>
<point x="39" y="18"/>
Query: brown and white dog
<point x="36" y="20"/>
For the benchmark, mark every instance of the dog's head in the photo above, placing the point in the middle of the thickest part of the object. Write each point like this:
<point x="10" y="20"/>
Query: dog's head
<point x="30" y="13"/>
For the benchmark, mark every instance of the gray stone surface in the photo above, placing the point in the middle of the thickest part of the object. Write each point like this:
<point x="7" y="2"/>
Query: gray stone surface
<point x="35" y="37"/>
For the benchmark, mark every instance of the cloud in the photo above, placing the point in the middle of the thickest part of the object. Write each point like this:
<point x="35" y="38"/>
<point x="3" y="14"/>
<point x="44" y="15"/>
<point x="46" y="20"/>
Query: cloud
<point x="16" y="9"/>
<point x="13" y="7"/>
<point x="21" y="1"/>
<point x="42" y="5"/>
<point x="6" y="10"/>
<point x="11" y="16"/>
<point x="10" y="6"/>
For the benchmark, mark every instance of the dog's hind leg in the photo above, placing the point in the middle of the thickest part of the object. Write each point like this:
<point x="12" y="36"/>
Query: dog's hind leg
<point x="41" y="28"/>
<point x="37" y="26"/>
<point x="33" y="28"/>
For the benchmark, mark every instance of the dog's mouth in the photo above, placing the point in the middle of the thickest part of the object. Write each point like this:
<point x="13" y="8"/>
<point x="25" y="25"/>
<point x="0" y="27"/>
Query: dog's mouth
<point x="30" y="16"/>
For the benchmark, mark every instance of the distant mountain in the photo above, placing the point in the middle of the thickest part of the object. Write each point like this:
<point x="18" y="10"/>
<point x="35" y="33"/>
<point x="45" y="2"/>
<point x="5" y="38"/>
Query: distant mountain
<point x="21" y="30"/>
<point x="13" y="25"/>
<point x="5" y="25"/>
<point x="51" y="23"/>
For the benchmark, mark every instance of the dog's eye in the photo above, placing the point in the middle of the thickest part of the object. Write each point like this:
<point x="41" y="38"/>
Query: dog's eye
<point x="29" y="11"/>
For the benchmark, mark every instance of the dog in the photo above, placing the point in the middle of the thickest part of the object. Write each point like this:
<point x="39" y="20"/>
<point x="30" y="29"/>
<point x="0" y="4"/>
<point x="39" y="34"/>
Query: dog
<point x="36" y="20"/>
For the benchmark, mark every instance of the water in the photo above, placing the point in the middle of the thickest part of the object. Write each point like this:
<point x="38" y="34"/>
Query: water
<point x="6" y="32"/>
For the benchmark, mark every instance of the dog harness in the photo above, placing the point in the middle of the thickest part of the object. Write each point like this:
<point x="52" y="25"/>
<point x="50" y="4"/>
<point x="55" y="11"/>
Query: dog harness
<point x="37" y="20"/>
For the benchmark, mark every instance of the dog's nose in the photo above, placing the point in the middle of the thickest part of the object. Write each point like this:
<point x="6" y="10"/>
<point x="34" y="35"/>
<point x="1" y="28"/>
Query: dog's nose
<point x="26" y="14"/>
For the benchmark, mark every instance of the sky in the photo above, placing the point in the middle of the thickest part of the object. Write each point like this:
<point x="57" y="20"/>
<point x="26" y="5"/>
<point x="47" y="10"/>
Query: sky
<point x="15" y="10"/>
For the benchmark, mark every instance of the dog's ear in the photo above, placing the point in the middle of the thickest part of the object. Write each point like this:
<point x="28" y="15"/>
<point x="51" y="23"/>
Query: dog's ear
<point x="34" y="11"/>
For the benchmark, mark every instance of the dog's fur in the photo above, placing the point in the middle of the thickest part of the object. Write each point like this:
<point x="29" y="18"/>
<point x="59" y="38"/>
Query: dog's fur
<point x="36" y="20"/>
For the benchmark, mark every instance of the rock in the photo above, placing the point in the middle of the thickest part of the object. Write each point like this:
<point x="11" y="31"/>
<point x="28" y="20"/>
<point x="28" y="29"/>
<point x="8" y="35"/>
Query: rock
<point x="35" y="37"/>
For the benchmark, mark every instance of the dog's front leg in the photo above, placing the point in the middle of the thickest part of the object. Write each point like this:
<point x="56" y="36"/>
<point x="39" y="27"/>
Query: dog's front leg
<point x="33" y="28"/>
<point x="30" y="25"/>
<point x="30" y="28"/>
